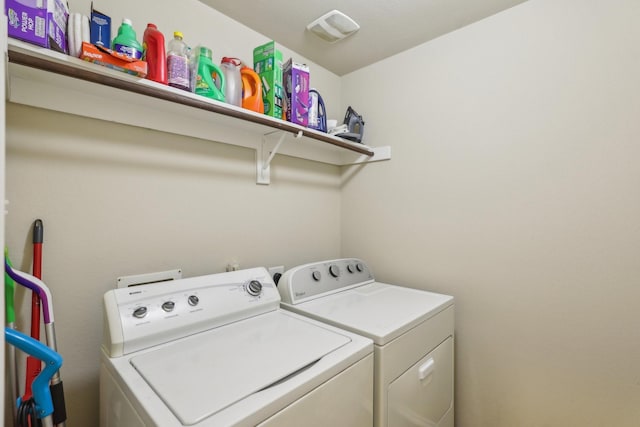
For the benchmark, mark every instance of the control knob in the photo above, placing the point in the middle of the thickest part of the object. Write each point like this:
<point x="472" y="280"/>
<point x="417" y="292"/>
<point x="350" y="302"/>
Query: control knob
<point x="168" y="306"/>
<point x="140" y="312"/>
<point x="334" y="270"/>
<point x="316" y="275"/>
<point x="254" y="288"/>
<point x="193" y="300"/>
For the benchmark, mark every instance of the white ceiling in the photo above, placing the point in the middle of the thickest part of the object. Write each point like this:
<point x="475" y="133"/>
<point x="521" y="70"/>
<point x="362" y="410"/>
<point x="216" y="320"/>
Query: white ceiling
<point x="387" y="27"/>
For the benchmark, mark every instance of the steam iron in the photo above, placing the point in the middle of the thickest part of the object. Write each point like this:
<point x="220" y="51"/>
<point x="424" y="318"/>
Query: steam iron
<point x="354" y="126"/>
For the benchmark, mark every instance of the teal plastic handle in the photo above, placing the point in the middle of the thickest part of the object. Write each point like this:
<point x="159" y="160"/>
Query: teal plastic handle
<point x="9" y="292"/>
<point x="52" y="363"/>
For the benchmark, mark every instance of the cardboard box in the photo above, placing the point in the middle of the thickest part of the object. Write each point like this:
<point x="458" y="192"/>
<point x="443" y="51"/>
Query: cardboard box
<point x="114" y="60"/>
<point x="100" y="28"/>
<point x="41" y="22"/>
<point x="267" y="62"/>
<point x="296" y="92"/>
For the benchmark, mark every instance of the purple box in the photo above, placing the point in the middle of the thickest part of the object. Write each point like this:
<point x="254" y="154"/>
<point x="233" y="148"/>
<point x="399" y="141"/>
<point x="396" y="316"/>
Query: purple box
<point x="295" y="79"/>
<point x="41" y="22"/>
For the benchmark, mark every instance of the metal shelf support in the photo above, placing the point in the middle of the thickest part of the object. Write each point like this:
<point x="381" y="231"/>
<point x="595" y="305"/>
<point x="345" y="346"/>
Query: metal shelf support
<point x="264" y="155"/>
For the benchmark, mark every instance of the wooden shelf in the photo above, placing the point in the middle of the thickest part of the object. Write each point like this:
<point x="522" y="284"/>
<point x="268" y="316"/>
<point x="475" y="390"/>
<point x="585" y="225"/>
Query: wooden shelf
<point x="46" y="79"/>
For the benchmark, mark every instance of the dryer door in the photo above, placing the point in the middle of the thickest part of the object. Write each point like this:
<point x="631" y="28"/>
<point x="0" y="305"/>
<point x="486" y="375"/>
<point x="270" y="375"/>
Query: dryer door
<point x="423" y="395"/>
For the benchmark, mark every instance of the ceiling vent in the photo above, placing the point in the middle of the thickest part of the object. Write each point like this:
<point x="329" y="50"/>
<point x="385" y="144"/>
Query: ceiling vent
<point x="333" y="26"/>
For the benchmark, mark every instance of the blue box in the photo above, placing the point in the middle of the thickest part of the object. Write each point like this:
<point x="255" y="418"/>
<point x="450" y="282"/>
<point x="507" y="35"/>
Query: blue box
<point x="100" y="28"/>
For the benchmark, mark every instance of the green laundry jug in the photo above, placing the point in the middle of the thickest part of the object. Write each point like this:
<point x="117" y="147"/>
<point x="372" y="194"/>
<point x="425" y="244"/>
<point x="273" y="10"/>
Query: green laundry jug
<point x="208" y="75"/>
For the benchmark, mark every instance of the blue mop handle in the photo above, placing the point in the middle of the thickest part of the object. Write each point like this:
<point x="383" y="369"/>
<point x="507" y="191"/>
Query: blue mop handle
<point x="52" y="362"/>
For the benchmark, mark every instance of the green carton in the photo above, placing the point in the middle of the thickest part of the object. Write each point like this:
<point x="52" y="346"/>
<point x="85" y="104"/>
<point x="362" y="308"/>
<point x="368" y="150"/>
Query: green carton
<point x="267" y="62"/>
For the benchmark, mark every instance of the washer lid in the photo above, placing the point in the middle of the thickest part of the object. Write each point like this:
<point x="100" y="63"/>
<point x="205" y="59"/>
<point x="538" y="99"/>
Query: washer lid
<point x="378" y="311"/>
<point x="204" y="373"/>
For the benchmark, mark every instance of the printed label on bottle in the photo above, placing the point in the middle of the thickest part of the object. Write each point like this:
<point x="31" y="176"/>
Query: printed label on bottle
<point x="128" y="50"/>
<point x="201" y="85"/>
<point x="178" y="71"/>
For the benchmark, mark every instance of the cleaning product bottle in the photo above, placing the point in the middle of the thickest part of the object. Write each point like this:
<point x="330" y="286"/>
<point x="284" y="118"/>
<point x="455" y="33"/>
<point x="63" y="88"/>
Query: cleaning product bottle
<point x="251" y="90"/>
<point x="192" y="59"/>
<point x="155" y="54"/>
<point x="126" y="42"/>
<point x="178" y="63"/>
<point x="205" y="83"/>
<point x="317" y="112"/>
<point x="233" y="89"/>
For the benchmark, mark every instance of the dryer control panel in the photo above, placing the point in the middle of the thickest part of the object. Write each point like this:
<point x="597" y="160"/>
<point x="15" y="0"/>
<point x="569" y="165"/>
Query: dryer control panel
<point x="310" y="281"/>
<point x="142" y="316"/>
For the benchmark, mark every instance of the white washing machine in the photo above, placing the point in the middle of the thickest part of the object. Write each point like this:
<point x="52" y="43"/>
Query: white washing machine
<point x="218" y="350"/>
<point x="412" y="332"/>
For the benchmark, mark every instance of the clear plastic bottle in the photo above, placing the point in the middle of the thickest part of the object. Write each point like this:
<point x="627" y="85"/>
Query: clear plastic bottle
<point x="233" y="90"/>
<point x="178" y="62"/>
<point x="192" y="58"/>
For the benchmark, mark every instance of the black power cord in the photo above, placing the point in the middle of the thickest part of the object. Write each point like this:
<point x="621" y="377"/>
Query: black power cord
<point x="27" y="416"/>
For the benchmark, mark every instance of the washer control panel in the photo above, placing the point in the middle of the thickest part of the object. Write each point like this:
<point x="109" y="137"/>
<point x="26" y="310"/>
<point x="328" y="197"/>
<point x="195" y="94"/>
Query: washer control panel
<point x="142" y="316"/>
<point x="317" y="279"/>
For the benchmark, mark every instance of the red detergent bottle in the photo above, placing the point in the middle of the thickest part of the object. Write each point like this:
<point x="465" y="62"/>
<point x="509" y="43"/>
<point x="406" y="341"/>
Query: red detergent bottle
<point x="155" y="54"/>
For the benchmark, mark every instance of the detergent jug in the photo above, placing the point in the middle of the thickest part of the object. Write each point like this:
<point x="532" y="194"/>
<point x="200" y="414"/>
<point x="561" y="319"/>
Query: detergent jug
<point x="317" y="112"/>
<point x="233" y="81"/>
<point x="205" y="83"/>
<point x="251" y="90"/>
<point x="154" y="54"/>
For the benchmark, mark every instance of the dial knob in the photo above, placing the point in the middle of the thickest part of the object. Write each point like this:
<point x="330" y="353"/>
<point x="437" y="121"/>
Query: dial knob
<point x="316" y="276"/>
<point x="351" y="268"/>
<point x="140" y="312"/>
<point x="168" y="306"/>
<point x="334" y="270"/>
<point x="360" y="267"/>
<point x="193" y="300"/>
<point x="254" y="288"/>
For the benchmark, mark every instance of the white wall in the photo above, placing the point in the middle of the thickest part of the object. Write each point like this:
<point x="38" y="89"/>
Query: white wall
<point x="514" y="187"/>
<point x="118" y="200"/>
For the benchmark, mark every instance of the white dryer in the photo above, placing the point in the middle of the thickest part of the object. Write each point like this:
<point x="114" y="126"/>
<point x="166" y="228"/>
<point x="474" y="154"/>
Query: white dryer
<point x="217" y="350"/>
<point x="412" y="330"/>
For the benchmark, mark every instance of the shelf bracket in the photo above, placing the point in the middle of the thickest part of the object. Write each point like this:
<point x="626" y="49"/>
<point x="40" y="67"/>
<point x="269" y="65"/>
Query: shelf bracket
<point x="264" y="155"/>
